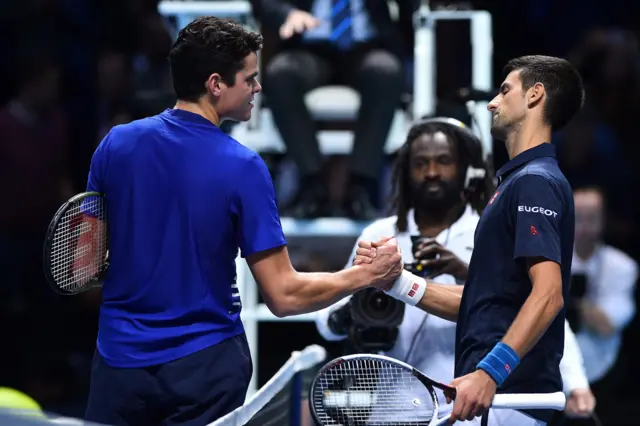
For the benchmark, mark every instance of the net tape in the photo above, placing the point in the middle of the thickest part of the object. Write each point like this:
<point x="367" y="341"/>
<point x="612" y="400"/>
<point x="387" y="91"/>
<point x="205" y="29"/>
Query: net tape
<point x="299" y="361"/>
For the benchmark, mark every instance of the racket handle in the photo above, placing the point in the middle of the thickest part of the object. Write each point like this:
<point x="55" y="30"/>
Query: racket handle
<point x="533" y="401"/>
<point x="521" y="401"/>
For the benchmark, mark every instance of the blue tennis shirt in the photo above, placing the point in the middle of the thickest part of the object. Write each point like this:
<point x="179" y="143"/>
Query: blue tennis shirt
<point x="182" y="198"/>
<point x="530" y="215"/>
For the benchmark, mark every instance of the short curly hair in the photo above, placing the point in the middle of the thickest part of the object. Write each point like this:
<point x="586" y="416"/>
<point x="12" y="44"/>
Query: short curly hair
<point x="209" y="45"/>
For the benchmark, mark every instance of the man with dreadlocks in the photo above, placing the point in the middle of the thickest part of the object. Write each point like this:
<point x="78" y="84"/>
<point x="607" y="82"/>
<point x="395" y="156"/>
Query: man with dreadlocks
<point x="441" y="185"/>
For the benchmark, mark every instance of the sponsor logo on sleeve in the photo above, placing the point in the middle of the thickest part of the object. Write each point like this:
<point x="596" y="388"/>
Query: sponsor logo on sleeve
<point x="537" y="210"/>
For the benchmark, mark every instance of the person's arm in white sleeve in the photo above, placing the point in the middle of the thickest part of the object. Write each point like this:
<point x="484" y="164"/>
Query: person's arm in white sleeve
<point x="322" y="316"/>
<point x="580" y="399"/>
<point x="572" y="364"/>
<point x="617" y="301"/>
<point x="322" y="321"/>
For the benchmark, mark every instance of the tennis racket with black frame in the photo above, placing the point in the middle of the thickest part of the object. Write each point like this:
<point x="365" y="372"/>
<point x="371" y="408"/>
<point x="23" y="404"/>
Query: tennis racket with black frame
<point x="76" y="247"/>
<point x="376" y="390"/>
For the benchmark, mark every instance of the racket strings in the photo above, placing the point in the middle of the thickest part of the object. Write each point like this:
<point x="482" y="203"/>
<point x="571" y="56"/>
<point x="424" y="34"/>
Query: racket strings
<point x="78" y="246"/>
<point x="371" y="392"/>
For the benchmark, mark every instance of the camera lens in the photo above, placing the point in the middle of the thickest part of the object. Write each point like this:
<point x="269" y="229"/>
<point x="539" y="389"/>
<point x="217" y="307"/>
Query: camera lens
<point x="374" y="308"/>
<point x="379" y="302"/>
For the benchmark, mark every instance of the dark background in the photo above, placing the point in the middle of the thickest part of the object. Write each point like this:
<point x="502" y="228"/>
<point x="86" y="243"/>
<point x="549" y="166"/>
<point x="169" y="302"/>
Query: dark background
<point x="110" y="57"/>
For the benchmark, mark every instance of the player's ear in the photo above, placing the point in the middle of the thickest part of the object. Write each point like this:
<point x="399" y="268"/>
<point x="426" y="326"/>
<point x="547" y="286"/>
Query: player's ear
<point x="535" y="94"/>
<point x="215" y="84"/>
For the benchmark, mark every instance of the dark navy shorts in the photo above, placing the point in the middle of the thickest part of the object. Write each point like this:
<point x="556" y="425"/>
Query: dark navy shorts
<point x="192" y="391"/>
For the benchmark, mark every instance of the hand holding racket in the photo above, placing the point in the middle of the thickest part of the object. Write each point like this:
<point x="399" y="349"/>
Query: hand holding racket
<point x="473" y="395"/>
<point x="76" y="248"/>
<point x="375" y="390"/>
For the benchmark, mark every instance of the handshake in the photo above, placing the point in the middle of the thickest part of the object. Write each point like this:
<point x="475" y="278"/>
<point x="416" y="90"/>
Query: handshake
<point x="384" y="260"/>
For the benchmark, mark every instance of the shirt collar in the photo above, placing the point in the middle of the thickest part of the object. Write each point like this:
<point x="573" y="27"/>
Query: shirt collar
<point x="469" y="219"/>
<point x="542" y="150"/>
<point x="188" y="116"/>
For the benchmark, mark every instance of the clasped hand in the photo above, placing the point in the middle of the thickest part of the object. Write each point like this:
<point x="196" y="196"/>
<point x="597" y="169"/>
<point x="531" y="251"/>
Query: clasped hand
<point x="384" y="260"/>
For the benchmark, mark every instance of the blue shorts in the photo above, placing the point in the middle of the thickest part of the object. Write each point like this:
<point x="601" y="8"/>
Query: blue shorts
<point x="195" y="390"/>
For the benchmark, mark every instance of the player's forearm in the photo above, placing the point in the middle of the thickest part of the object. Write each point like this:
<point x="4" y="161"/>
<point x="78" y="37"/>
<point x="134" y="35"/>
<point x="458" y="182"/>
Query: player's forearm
<point x="535" y="316"/>
<point x="309" y="292"/>
<point x="440" y="300"/>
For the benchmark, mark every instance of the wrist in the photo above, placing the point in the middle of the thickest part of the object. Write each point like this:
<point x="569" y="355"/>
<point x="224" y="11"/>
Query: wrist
<point x="499" y="363"/>
<point x="487" y="376"/>
<point x="358" y="277"/>
<point x="408" y="288"/>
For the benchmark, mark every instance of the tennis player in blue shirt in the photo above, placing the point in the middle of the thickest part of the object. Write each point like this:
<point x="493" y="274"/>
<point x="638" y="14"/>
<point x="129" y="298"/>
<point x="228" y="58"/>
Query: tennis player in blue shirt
<point x="182" y="199"/>
<point x="510" y="314"/>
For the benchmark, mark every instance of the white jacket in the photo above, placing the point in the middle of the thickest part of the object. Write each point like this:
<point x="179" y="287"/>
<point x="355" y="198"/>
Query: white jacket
<point x="612" y="277"/>
<point x="433" y="350"/>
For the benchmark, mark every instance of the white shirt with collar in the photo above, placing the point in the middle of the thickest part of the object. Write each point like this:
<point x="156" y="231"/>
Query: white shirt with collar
<point x="611" y="277"/>
<point x="433" y="350"/>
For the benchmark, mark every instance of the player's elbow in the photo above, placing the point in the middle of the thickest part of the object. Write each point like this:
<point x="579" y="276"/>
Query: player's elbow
<point x="551" y="298"/>
<point x="280" y="306"/>
<point x="558" y="303"/>
<point x="281" y="311"/>
<point x="555" y="301"/>
<point x="284" y="303"/>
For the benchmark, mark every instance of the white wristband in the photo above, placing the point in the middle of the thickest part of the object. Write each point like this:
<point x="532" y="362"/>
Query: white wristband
<point x="408" y="288"/>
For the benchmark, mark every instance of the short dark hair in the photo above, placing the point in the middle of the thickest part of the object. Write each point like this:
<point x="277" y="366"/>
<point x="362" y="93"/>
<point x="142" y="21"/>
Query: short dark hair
<point x="469" y="150"/>
<point x="209" y="45"/>
<point x="562" y="83"/>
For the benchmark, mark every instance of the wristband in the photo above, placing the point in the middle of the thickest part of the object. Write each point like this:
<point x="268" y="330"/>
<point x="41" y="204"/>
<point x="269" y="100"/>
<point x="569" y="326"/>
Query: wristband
<point x="500" y="362"/>
<point x="408" y="288"/>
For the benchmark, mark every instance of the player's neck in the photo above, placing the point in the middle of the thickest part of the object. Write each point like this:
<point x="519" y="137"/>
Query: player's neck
<point x="527" y="136"/>
<point x="202" y="108"/>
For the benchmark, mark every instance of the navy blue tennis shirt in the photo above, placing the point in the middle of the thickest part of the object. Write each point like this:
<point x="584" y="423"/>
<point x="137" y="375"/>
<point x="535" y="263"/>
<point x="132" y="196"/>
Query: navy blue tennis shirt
<point x="531" y="214"/>
<point x="182" y="198"/>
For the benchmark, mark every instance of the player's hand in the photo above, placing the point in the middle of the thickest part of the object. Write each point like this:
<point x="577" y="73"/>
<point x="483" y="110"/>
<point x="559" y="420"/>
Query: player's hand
<point x="434" y="257"/>
<point x="580" y="403"/>
<point x="366" y="251"/>
<point x="297" y="22"/>
<point x="474" y="395"/>
<point x="386" y="265"/>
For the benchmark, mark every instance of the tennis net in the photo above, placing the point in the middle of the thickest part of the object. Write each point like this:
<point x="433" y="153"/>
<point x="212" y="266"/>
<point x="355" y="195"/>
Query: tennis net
<point x="265" y="407"/>
<point x="277" y="403"/>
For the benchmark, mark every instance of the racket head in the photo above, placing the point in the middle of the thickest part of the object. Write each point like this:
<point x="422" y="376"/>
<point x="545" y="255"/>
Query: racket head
<point x="75" y="252"/>
<point x="372" y="390"/>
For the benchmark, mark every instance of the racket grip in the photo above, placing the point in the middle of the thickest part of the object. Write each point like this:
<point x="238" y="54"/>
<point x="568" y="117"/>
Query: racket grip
<point x="533" y="401"/>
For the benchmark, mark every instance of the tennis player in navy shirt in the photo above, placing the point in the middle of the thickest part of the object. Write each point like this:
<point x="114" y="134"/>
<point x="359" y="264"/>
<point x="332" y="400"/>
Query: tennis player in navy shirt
<point x="510" y="314"/>
<point x="182" y="199"/>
